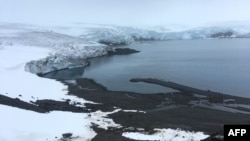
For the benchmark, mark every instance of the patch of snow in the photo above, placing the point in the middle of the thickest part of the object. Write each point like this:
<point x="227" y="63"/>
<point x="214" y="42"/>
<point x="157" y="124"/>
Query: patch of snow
<point x="22" y="125"/>
<point x="238" y="105"/>
<point x="100" y="119"/>
<point x="166" y="135"/>
<point x="134" y="111"/>
<point x="70" y="82"/>
<point x="199" y="96"/>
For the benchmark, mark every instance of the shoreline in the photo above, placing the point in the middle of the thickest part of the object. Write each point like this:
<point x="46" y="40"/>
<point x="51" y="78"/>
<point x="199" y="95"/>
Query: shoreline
<point x="204" y="112"/>
<point x="182" y="110"/>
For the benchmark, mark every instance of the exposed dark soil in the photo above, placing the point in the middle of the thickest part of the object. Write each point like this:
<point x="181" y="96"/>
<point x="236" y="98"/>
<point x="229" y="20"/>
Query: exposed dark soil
<point x="162" y="110"/>
<point x="42" y="106"/>
<point x="122" y="51"/>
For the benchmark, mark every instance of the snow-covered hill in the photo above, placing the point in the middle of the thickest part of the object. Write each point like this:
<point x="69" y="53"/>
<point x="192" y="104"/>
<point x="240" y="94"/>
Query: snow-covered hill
<point x="127" y="35"/>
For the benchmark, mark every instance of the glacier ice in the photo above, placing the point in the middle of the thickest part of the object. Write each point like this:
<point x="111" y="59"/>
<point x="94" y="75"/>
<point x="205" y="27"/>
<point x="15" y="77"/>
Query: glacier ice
<point x="127" y="35"/>
<point x="65" y="58"/>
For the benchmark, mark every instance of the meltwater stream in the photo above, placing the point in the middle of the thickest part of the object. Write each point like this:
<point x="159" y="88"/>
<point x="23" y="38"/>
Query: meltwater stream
<point x="221" y="65"/>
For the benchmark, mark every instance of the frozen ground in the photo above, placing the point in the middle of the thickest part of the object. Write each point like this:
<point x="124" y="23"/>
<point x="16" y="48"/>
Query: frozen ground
<point x="51" y="48"/>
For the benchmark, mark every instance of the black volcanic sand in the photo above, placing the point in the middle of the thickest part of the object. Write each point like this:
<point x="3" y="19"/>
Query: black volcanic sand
<point x="203" y="111"/>
<point x="189" y="109"/>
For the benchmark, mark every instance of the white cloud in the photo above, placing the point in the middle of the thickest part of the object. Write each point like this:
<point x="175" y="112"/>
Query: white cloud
<point x="125" y="12"/>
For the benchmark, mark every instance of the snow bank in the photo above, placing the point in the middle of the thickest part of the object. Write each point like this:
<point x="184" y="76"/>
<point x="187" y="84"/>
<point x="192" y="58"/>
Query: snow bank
<point x="22" y="125"/>
<point x="15" y="82"/>
<point x="25" y="125"/>
<point x="166" y="135"/>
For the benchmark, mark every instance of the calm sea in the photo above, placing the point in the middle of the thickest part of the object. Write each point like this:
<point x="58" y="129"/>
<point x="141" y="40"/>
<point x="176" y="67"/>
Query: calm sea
<point x="221" y="65"/>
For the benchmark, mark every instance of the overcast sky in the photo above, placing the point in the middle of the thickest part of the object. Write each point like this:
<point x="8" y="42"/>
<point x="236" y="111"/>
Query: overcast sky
<point x="125" y="12"/>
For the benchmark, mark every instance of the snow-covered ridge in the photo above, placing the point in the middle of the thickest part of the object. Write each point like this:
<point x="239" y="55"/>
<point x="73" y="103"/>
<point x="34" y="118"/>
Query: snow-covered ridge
<point x="71" y="45"/>
<point x="127" y="35"/>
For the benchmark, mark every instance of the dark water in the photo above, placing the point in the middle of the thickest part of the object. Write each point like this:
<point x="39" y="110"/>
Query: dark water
<point x="221" y="65"/>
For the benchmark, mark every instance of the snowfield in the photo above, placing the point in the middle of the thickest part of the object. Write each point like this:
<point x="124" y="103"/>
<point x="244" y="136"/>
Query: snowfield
<point x="27" y="49"/>
<point x="167" y="135"/>
<point x="22" y="125"/>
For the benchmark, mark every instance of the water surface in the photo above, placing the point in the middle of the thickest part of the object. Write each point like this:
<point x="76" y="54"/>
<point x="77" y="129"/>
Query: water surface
<point x="218" y="64"/>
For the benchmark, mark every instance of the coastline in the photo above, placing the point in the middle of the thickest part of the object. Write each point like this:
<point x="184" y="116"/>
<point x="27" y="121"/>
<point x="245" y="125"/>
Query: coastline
<point x="182" y="110"/>
<point x="204" y="111"/>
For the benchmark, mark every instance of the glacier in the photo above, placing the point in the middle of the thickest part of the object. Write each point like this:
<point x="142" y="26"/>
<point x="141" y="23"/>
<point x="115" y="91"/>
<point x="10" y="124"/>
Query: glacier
<point x="66" y="58"/>
<point x="71" y="45"/>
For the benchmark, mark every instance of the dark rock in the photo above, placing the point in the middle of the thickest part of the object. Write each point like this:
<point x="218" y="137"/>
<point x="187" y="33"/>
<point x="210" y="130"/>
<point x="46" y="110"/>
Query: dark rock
<point x="67" y="135"/>
<point x="109" y="43"/>
<point x="222" y="34"/>
<point x="122" y="51"/>
<point x="143" y="39"/>
<point x="215" y="98"/>
<point x="52" y="105"/>
<point x="15" y="102"/>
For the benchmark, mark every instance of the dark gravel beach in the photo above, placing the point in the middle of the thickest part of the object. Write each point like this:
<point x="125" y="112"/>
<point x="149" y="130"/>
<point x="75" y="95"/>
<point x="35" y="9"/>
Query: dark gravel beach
<point x="205" y="111"/>
<point x="190" y="109"/>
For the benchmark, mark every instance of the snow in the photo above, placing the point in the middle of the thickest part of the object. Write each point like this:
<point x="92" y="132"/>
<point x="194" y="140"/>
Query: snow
<point x="127" y="35"/>
<point x="166" y="135"/>
<point x="67" y="51"/>
<point x="21" y="125"/>
<point x="15" y="81"/>
<point x="100" y="119"/>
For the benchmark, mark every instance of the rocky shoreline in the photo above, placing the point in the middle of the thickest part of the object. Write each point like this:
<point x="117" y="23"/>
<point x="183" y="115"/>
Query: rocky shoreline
<point x="189" y="109"/>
